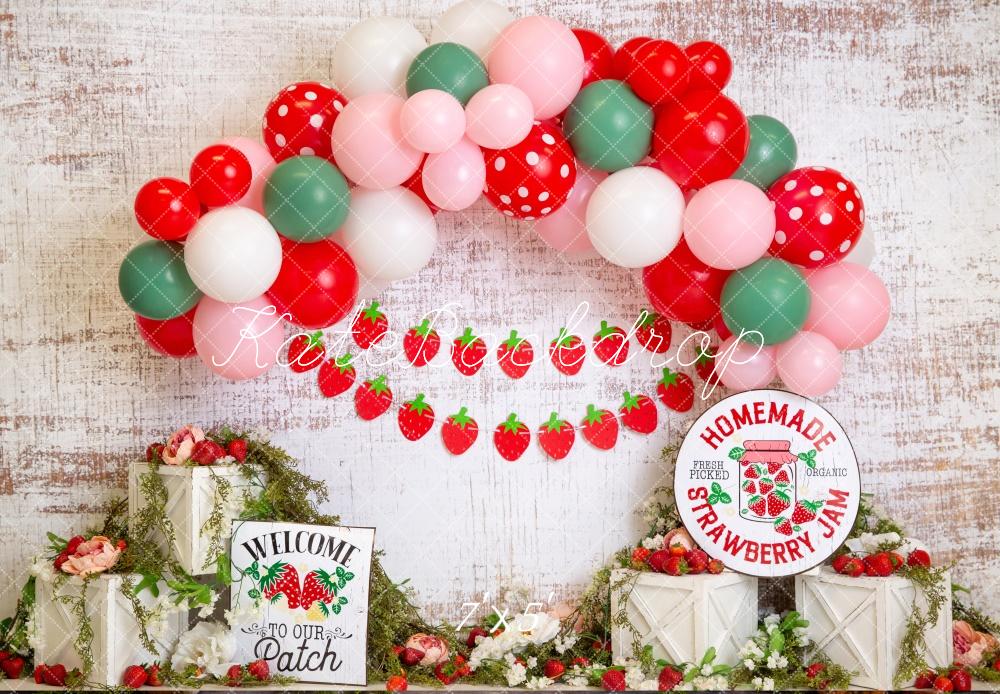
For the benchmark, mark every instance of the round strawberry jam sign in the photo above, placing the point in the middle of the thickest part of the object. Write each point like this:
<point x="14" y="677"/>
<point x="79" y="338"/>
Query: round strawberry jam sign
<point x="767" y="482"/>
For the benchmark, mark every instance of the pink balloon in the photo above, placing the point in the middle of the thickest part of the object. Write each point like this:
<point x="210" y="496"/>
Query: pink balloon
<point x="498" y="116"/>
<point x="432" y="121"/>
<point x="850" y="305"/>
<point x="455" y="179"/>
<point x="261" y="165"/>
<point x="565" y="229"/>
<point x="746" y="366"/>
<point x="368" y="143"/>
<point x="238" y="341"/>
<point x="809" y="364"/>
<point x="541" y="57"/>
<point x="729" y="224"/>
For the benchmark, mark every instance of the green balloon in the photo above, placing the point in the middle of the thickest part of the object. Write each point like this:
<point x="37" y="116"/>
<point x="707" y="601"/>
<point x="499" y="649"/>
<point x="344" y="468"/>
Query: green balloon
<point x="770" y="296"/>
<point x="608" y="126"/>
<point x="449" y="67"/>
<point x="154" y="282"/>
<point x="771" y="154"/>
<point x="306" y="198"/>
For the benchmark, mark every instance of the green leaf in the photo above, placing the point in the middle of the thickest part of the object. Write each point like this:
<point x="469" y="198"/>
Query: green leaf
<point x="777" y="641"/>
<point x="335" y="608"/>
<point x="736" y="453"/>
<point x="149" y="582"/>
<point x="725" y="498"/>
<point x="716" y="487"/>
<point x="713" y="499"/>
<point x="223" y="569"/>
<point x="253" y="593"/>
<point x="324" y="609"/>
<point x="709" y="656"/>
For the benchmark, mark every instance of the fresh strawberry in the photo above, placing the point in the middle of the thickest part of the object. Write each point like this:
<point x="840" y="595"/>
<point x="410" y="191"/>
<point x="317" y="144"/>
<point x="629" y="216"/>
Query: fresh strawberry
<point x="638" y="413"/>
<point x="653" y="332"/>
<point x="777" y="502"/>
<point x="369" y="327"/>
<point x="896" y="559"/>
<point x="669" y="678"/>
<point x="715" y="566"/>
<point x="459" y="432"/>
<point x="511" y="438"/>
<point x="658" y="560"/>
<point x="961" y="680"/>
<point x="234" y="675"/>
<point x="613" y="680"/>
<point x="600" y="428"/>
<point x="514" y="355"/>
<point x="474" y="634"/>
<point x="318" y="586"/>
<point x="943" y="684"/>
<point x="675" y="566"/>
<point x="996" y="665"/>
<point x="839" y="562"/>
<point x="814" y="669"/>
<point x="12" y="666"/>
<point x="639" y="556"/>
<point x="206" y="452"/>
<point x="676" y="390"/>
<point x="611" y="344"/>
<point x="925" y="680"/>
<point x="697" y="561"/>
<point x="4" y="655"/>
<point x="765" y="485"/>
<point x="853" y="568"/>
<point x="468" y="353"/>
<point x="421" y="343"/>
<point x="758" y="505"/>
<point x="279" y="579"/>
<point x="411" y="657"/>
<point x="134" y="677"/>
<point x="54" y="675"/>
<point x="749" y="486"/>
<point x="677" y="550"/>
<point x="259" y="670"/>
<point x="919" y="557"/>
<point x="554" y="669"/>
<point x="783" y="526"/>
<point x="153" y="676"/>
<point x="61" y="559"/>
<point x="416" y="417"/>
<point x="805" y="511"/>
<point x="878" y="564"/>
<point x="782" y="477"/>
<point x="372" y="398"/>
<point x="752" y="472"/>
<point x="154" y="451"/>
<point x="704" y="364"/>
<point x="73" y="543"/>
<point x="567" y="353"/>
<point x="39" y="673"/>
<point x="306" y="352"/>
<point x="556" y="437"/>
<point x="336" y="376"/>
<point x="396" y="683"/>
<point x="238" y="449"/>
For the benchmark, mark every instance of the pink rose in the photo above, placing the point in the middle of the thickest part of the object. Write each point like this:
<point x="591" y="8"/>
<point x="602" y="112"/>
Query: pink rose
<point x="181" y="443"/>
<point x="93" y="556"/>
<point x="970" y="645"/>
<point x="678" y="536"/>
<point x="435" y="650"/>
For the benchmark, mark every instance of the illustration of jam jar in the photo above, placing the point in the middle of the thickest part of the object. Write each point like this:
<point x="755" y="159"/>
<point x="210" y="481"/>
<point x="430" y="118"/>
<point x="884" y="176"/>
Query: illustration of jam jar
<point x="767" y="480"/>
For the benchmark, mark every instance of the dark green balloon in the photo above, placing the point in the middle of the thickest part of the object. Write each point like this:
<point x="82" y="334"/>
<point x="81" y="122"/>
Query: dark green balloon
<point x="154" y="282"/>
<point x="769" y="296"/>
<point x="306" y="198"/>
<point x="608" y="126"/>
<point x="449" y="67"/>
<point x="771" y="154"/>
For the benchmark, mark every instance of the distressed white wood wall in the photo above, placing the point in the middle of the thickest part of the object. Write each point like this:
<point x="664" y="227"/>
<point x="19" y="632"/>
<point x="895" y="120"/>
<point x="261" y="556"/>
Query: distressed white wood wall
<point x="900" y="95"/>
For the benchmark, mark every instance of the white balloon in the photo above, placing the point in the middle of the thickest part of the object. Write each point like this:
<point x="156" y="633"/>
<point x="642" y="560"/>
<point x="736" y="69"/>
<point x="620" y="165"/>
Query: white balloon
<point x="373" y="56"/>
<point x="390" y="234"/>
<point x="233" y="254"/>
<point x="473" y="23"/>
<point x="863" y="252"/>
<point x="634" y="216"/>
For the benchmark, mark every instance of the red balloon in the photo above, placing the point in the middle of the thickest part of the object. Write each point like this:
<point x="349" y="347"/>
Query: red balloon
<point x="683" y="288"/>
<point x="818" y="215"/>
<point x="700" y="139"/>
<point x="711" y="66"/>
<point x="598" y="56"/>
<point x="173" y="337"/>
<point x="721" y="329"/>
<point x="534" y="177"/>
<point x="415" y="184"/>
<point x="220" y="175"/>
<point x="625" y="57"/>
<point x="663" y="74"/>
<point x="317" y="284"/>
<point x="299" y="120"/>
<point x="167" y="208"/>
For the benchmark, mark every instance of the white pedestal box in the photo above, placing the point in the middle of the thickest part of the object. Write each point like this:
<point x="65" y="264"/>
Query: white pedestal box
<point x="681" y="617"/>
<point x="859" y="622"/>
<point x="116" y="643"/>
<point x="191" y="493"/>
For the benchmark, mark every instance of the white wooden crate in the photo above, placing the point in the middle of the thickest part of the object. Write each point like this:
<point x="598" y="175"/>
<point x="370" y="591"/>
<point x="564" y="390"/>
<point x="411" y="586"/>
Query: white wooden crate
<point x="859" y="622"/>
<point x="681" y="617"/>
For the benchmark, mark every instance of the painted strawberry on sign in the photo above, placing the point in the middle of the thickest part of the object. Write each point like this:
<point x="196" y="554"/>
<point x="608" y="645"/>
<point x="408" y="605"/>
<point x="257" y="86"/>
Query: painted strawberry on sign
<point x="600" y="428"/>
<point x="638" y="413"/>
<point x="556" y="437"/>
<point x="514" y="355"/>
<point x="323" y="588"/>
<point x="805" y="510"/>
<point x="459" y="432"/>
<point x="777" y="502"/>
<point x="416" y="417"/>
<point x="421" y="343"/>
<point x="281" y="579"/>
<point x="676" y="390"/>
<point x="611" y="344"/>
<point x="511" y="438"/>
<point x="336" y="376"/>
<point x="306" y="352"/>
<point x="372" y="398"/>
<point x="369" y="327"/>
<point x="468" y="353"/>
<point x="567" y="353"/>
<point x="653" y="332"/>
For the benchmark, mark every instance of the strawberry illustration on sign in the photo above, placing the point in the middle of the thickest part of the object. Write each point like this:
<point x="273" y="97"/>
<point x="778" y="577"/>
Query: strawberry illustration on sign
<point x="421" y="343"/>
<point x="514" y="355"/>
<point x="654" y="332"/>
<point x="416" y="417"/>
<point x="281" y="579"/>
<point x="511" y="438"/>
<point x="567" y="353"/>
<point x="373" y="398"/>
<point x="322" y="588"/>
<point x="468" y="353"/>
<point x="638" y="413"/>
<point x="676" y="391"/>
<point x="757" y="504"/>
<point x="306" y="352"/>
<point x="369" y="327"/>
<point x="777" y="502"/>
<point x="805" y="510"/>
<point x="556" y="437"/>
<point x="611" y="344"/>
<point x="784" y="527"/>
<point x="336" y="376"/>
<point x="600" y="428"/>
<point x="459" y="432"/>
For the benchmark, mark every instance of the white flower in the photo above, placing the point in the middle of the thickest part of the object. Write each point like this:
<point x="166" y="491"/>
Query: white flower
<point x="653" y="543"/>
<point x="578" y="681"/>
<point x="649" y="686"/>
<point x="748" y="664"/>
<point x="536" y="627"/>
<point x="532" y="661"/>
<point x="768" y="683"/>
<point x="209" y="645"/>
<point x="538" y="682"/>
<point x="43" y="569"/>
<point x="564" y="644"/>
<point x="772" y="619"/>
<point x="31" y="629"/>
<point x="706" y="670"/>
<point x="244" y="614"/>
<point x="206" y="610"/>
<point x="770" y="628"/>
<point x="516" y="673"/>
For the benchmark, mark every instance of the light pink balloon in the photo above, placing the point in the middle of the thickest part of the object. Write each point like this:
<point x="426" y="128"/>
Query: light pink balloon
<point x="565" y="230"/>
<point x="498" y="116"/>
<point x="729" y="224"/>
<point x="368" y="142"/>
<point x="850" y="305"/>
<point x="809" y="364"/>
<point x="541" y="57"/>
<point x="455" y="179"/>
<point x="237" y="341"/>
<point x="261" y="165"/>
<point x="432" y="121"/>
<point x="747" y="366"/>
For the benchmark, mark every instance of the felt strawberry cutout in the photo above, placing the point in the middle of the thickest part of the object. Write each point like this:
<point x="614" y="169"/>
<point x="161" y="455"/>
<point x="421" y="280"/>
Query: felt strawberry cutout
<point x="416" y="417"/>
<point x="611" y="344"/>
<point x="638" y="413"/>
<point x="306" y="352"/>
<point x="654" y="332"/>
<point x="567" y="353"/>
<point x="704" y="364"/>
<point x="369" y="326"/>
<point x="556" y="437"/>
<point x="511" y="438"/>
<point x="676" y="391"/>
<point x="600" y="428"/>
<point x="468" y="353"/>
<point x="514" y="355"/>
<point x="336" y="376"/>
<point x="372" y="398"/>
<point x="459" y="432"/>
<point x="421" y="343"/>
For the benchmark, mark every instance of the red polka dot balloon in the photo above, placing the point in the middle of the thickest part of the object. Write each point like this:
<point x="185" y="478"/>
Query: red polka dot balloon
<point x="299" y="120"/>
<point x="534" y="177"/>
<point x="819" y="216"/>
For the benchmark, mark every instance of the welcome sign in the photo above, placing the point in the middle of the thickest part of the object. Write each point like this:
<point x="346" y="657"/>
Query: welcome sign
<point x="767" y="482"/>
<point x="312" y="582"/>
